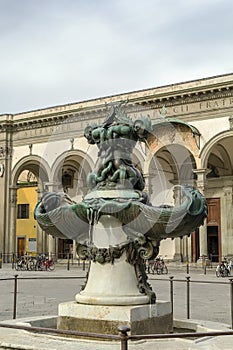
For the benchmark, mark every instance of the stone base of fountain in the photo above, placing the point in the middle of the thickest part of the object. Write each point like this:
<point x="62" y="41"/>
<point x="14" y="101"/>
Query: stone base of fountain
<point x="105" y="319"/>
<point x="25" y="340"/>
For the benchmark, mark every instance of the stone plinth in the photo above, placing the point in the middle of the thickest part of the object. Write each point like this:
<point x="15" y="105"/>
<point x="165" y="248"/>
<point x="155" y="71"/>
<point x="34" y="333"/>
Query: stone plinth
<point x="142" y="319"/>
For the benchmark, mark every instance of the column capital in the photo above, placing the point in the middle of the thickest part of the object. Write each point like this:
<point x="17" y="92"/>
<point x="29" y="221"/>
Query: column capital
<point x="52" y="186"/>
<point x="227" y="190"/>
<point x="201" y="178"/>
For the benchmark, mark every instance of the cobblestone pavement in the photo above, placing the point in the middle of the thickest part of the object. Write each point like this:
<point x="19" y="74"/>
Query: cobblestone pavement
<point x="40" y="292"/>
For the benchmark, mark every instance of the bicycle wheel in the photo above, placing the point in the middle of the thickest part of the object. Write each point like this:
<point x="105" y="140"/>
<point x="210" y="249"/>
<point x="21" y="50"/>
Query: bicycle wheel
<point x="217" y="273"/>
<point x="22" y="265"/>
<point x="31" y="265"/>
<point x="51" y="266"/>
<point x="165" y="270"/>
<point x="39" y="266"/>
<point x="18" y="265"/>
<point x="225" y="273"/>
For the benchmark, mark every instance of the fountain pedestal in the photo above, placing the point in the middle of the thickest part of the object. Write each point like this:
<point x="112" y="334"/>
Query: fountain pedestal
<point x="111" y="283"/>
<point x="111" y="296"/>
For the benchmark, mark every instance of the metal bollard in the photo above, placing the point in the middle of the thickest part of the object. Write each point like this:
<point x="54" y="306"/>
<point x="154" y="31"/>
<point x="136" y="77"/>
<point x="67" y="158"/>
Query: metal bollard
<point x="204" y="267"/>
<point x="171" y="292"/>
<point x="13" y="261"/>
<point x="68" y="264"/>
<point x="204" y="264"/>
<point x="15" y="297"/>
<point x="231" y="296"/>
<point x="124" y="336"/>
<point x="188" y="297"/>
<point x="187" y="267"/>
<point x="0" y="260"/>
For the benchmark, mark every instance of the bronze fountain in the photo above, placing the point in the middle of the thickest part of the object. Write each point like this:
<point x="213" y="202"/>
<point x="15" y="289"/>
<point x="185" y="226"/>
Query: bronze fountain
<point x="115" y="226"/>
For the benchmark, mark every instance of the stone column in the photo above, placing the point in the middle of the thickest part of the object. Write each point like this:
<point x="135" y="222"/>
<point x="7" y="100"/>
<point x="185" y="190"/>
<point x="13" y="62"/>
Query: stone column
<point x="201" y="184"/>
<point x="147" y="188"/>
<point x="13" y="217"/>
<point x="178" y="256"/>
<point x="179" y="253"/>
<point x="226" y="224"/>
<point x="39" y="233"/>
<point x="7" y="153"/>
<point x="49" y="242"/>
<point x="203" y="241"/>
<point x="51" y="246"/>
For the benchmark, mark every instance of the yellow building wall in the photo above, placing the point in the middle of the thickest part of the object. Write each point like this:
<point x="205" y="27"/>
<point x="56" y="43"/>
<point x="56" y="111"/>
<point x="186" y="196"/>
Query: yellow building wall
<point x="27" y="228"/>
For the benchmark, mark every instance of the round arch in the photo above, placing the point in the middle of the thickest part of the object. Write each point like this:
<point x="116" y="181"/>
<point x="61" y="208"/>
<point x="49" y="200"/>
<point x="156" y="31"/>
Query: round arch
<point x="80" y="157"/>
<point x="37" y="165"/>
<point x="69" y="173"/>
<point x="205" y="152"/>
<point x="151" y="154"/>
<point x="170" y="165"/>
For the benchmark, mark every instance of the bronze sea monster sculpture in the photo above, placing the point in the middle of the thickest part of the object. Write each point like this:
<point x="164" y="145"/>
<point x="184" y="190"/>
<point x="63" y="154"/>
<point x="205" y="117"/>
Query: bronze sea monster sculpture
<point x="115" y="226"/>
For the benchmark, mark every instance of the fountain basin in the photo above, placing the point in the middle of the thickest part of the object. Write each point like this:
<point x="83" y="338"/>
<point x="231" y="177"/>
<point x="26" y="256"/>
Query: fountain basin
<point x="25" y="340"/>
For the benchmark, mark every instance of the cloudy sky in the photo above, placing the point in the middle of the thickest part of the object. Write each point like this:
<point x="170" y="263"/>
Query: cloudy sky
<point x="56" y="52"/>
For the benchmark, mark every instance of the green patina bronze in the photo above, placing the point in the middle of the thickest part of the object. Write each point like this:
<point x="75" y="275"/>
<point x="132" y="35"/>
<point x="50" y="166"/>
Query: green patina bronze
<point x="117" y="189"/>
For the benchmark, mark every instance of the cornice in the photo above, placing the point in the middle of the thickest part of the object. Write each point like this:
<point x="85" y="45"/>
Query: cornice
<point x="6" y="125"/>
<point x="182" y="99"/>
<point x="150" y="99"/>
<point x="133" y="107"/>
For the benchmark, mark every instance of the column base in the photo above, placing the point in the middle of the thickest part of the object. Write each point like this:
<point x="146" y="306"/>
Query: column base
<point x="201" y="262"/>
<point x="177" y="257"/>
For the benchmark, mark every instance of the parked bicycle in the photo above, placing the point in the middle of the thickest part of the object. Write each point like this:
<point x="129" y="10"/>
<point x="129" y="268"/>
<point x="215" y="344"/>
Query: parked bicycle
<point x="25" y="263"/>
<point x="44" y="263"/>
<point x="30" y="263"/>
<point x="224" y="268"/>
<point x="159" y="266"/>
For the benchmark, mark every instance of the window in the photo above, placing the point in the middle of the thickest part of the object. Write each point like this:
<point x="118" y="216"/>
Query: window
<point x="23" y="211"/>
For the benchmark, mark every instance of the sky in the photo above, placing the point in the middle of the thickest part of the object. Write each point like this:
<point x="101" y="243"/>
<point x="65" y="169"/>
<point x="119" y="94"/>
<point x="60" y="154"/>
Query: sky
<point x="56" y="52"/>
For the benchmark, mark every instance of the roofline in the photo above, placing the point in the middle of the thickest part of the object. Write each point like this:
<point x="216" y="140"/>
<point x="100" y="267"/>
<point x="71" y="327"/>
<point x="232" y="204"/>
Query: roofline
<point x="179" y="85"/>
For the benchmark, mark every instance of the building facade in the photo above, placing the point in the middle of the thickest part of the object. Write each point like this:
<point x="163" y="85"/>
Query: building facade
<point x="26" y="232"/>
<point x="191" y="142"/>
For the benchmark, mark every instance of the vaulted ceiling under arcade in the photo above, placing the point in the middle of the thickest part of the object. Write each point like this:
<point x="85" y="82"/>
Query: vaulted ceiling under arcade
<point x="220" y="160"/>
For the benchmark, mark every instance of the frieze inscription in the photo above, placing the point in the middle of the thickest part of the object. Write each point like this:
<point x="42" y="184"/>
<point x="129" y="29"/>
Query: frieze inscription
<point x="53" y="130"/>
<point x="201" y="106"/>
<point x="79" y="123"/>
